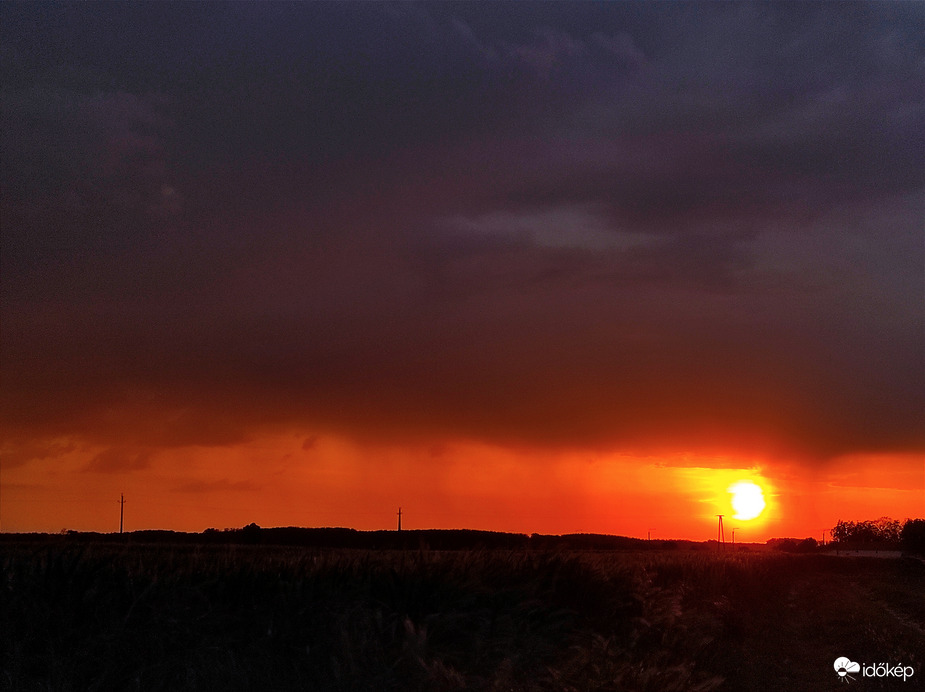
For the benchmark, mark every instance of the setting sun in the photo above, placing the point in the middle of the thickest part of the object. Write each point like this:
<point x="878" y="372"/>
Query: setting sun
<point x="747" y="500"/>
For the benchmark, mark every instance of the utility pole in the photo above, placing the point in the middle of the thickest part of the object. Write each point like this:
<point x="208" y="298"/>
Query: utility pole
<point x="736" y="528"/>
<point x="121" y="510"/>
<point x="649" y="535"/>
<point x="399" y="518"/>
<point x="720" y="536"/>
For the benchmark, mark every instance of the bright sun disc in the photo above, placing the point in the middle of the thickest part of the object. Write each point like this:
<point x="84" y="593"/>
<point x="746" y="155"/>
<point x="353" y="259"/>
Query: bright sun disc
<point x="747" y="500"/>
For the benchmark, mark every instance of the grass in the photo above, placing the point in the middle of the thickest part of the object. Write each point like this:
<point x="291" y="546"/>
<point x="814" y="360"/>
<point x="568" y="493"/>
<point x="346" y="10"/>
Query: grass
<point x="109" y="617"/>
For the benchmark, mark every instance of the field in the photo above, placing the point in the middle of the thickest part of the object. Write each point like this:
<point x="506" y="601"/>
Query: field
<point x="183" y="617"/>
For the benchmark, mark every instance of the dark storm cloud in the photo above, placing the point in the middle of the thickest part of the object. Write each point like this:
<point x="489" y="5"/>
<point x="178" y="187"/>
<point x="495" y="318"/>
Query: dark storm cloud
<point x="637" y="225"/>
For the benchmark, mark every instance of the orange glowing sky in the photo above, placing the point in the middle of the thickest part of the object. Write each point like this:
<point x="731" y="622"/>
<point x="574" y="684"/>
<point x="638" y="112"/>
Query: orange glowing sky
<point x="533" y="267"/>
<point x="286" y="480"/>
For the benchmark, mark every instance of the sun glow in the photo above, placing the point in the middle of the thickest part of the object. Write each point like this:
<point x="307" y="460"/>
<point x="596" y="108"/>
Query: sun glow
<point x="747" y="500"/>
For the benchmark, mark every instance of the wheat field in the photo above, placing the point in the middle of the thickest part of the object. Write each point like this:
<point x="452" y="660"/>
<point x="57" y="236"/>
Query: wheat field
<point x="186" y="617"/>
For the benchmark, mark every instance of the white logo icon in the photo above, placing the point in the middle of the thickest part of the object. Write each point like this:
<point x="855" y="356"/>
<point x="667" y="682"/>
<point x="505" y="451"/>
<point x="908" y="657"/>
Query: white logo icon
<point x="843" y="666"/>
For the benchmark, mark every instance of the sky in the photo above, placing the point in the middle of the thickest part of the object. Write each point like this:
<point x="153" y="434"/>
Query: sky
<point x="535" y="267"/>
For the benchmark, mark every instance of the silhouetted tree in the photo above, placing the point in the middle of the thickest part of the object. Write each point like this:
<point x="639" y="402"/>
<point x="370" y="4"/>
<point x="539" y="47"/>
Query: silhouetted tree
<point x="913" y="535"/>
<point x="888" y="530"/>
<point x="879" y="532"/>
<point x="793" y="545"/>
<point x="251" y="533"/>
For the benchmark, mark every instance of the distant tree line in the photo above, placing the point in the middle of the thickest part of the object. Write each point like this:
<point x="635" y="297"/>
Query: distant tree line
<point x="432" y="539"/>
<point x="794" y="545"/>
<point x="881" y="533"/>
<point x="337" y="537"/>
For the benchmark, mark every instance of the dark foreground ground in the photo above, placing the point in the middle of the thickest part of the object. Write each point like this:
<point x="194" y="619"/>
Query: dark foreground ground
<point x="160" y="617"/>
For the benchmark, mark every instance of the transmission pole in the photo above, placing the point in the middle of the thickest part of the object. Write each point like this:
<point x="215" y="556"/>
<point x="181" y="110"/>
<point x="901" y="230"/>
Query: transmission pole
<point x="720" y="536"/>
<point x="121" y="510"/>
<point x="399" y="518"/>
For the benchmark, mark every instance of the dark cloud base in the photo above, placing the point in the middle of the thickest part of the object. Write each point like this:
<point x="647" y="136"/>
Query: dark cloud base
<point x="633" y="226"/>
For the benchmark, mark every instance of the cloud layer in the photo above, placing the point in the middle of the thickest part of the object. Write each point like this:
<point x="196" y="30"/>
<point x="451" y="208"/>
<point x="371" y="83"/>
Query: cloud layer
<point x="652" y="227"/>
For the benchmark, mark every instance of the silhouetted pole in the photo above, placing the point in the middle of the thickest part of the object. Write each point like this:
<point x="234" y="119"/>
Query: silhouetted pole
<point x="734" y="529"/>
<point x="399" y="518"/>
<point x="121" y="510"/>
<point x="649" y="535"/>
<point x="720" y="536"/>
